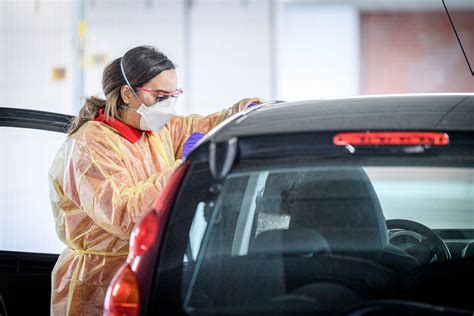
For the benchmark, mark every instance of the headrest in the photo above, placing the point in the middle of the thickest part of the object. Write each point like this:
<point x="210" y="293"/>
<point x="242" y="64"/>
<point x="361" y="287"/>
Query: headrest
<point x="341" y="204"/>
<point x="279" y="190"/>
<point x="282" y="241"/>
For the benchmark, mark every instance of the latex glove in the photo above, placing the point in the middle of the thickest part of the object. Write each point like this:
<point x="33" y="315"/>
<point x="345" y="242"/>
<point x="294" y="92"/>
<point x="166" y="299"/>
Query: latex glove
<point x="190" y="143"/>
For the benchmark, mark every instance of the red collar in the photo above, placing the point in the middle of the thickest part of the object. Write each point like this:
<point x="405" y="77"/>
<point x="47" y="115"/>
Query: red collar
<point x="130" y="133"/>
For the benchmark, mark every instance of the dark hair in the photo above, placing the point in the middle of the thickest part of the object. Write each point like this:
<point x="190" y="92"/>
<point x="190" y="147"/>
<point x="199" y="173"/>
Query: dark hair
<point x="141" y="64"/>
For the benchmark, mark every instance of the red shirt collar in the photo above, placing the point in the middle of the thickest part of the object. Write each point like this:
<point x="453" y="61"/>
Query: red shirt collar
<point x="130" y="133"/>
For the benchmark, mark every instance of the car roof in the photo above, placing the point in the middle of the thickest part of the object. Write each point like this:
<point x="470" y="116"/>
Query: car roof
<point x="437" y="112"/>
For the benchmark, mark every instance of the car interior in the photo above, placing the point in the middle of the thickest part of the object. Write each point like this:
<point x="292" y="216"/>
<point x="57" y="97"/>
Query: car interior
<point x="25" y="275"/>
<point x="319" y="241"/>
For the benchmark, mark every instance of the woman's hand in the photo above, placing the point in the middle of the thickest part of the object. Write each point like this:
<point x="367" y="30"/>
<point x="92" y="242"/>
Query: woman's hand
<point x="244" y="103"/>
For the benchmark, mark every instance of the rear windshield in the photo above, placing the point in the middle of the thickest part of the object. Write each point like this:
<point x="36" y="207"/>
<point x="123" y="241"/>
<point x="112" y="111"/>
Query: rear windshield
<point x="317" y="237"/>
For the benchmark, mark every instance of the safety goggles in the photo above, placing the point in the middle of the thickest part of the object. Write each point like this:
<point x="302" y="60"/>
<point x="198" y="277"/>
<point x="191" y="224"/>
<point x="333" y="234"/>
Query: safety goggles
<point x="163" y="95"/>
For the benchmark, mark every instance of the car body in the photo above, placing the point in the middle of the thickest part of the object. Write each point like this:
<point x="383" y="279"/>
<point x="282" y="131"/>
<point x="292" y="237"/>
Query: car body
<point x="250" y="178"/>
<point x="357" y="205"/>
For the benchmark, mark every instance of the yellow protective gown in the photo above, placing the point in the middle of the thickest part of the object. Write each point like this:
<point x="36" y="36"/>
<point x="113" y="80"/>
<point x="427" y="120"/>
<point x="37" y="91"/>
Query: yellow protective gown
<point x="101" y="184"/>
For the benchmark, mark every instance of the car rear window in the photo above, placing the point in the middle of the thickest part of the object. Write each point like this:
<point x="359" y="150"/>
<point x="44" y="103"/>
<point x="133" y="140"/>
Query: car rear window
<point x="272" y="233"/>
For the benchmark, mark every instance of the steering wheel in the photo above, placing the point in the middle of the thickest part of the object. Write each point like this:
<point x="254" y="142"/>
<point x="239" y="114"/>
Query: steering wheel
<point x="417" y="240"/>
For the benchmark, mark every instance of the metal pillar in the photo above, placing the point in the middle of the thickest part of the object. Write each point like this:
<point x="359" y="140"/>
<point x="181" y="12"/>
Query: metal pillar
<point x="187" y="50"/>
<point x="78" y="36"/>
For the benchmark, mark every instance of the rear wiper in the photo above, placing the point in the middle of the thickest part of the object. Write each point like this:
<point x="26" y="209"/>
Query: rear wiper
<point x="222" y="156"/>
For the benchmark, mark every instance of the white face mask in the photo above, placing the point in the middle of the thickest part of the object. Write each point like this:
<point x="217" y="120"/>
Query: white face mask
<point x="153" y="117"/>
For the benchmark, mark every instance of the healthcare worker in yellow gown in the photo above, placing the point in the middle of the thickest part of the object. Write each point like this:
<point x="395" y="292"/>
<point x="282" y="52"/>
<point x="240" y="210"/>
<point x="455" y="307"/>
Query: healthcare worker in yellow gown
<point x="118" y="157"/>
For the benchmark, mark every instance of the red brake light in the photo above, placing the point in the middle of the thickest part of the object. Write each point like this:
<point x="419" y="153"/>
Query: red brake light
<point x="143" y="238"/>
<point x="391" y="138"/>
<point x="123" y="295"/>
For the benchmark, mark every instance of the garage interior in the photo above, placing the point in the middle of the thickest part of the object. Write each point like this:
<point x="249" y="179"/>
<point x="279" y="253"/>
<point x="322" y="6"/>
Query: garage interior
<point x="53" y="52"/>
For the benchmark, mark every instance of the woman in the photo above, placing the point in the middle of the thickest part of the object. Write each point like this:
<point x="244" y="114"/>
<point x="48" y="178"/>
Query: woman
<point x="119" y="154"/>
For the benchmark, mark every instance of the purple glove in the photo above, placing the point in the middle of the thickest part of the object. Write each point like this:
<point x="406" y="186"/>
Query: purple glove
<point x="190" y="143"/>
<point x="251" y="104"/>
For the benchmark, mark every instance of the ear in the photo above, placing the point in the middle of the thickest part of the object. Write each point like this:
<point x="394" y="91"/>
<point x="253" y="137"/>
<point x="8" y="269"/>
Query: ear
<point x="126" y="94"/>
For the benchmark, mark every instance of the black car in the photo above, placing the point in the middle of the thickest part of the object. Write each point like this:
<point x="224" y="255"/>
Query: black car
<point x="348" y="206"/>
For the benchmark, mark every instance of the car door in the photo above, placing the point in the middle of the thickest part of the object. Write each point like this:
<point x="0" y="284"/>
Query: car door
<point x="29" y="246"/>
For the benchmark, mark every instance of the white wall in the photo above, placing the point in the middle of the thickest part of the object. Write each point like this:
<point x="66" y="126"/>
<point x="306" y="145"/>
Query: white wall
<point x="32" y="42"/>
<point x="230" y="49"/>
<point x="113" y="27"/>
<point x="228" y="46"/>
<point x="319" y="51"/>
<point x="26" y="218"/>
<point x="223" y="52"/>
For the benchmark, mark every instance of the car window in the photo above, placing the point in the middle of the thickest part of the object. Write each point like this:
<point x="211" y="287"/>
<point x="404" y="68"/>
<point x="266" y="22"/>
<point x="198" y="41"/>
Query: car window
<point x="440" y="198"/>
<point x="25" y="212"/>
<point x="270" y="231"/>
